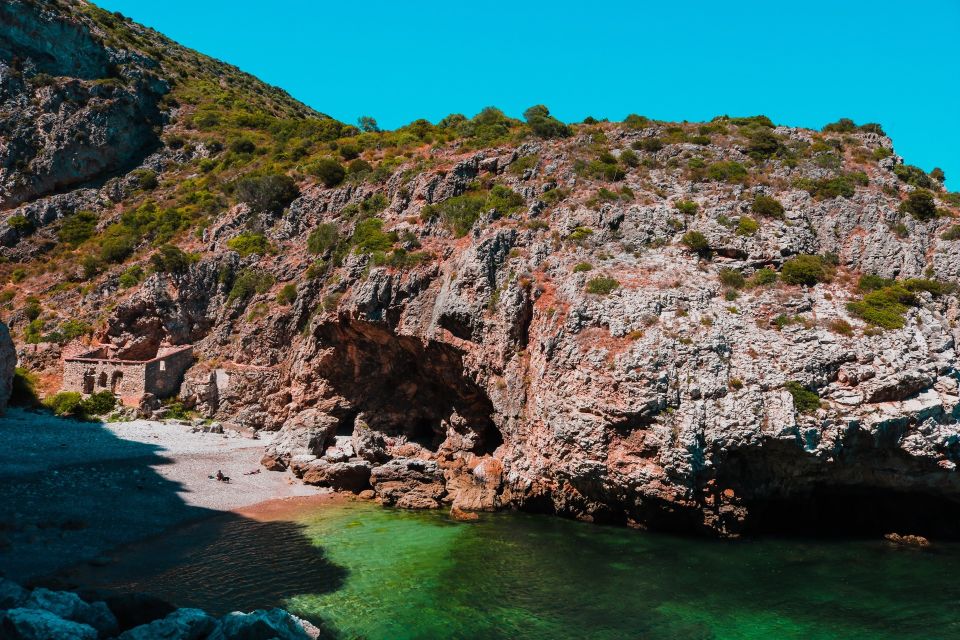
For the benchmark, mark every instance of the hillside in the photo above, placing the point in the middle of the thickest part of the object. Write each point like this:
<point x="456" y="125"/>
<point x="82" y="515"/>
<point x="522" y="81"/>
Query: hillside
<point x="722" y="326"/>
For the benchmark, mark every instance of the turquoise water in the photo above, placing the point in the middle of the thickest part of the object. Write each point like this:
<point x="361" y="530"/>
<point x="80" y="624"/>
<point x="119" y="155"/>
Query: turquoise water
<point x="373" y="573"/>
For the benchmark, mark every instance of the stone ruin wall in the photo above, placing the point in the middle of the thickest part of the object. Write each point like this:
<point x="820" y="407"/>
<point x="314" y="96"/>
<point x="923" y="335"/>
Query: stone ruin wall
<point x="130" y="380"/>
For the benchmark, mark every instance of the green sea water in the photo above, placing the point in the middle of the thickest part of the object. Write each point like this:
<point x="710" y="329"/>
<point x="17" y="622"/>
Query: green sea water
<point x="420" y="575"/>
<point x="362" y="571"/>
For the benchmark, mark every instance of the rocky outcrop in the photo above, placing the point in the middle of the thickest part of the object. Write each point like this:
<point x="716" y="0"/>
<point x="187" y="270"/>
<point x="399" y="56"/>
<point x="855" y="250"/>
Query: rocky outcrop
<point x="44" y="614"/>
<point x="74" y="112"/>
<point x="8" y="363"/>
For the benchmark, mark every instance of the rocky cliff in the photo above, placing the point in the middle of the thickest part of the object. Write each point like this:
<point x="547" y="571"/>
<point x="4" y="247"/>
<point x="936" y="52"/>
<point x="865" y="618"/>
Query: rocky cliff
<point x="727" y="327"/>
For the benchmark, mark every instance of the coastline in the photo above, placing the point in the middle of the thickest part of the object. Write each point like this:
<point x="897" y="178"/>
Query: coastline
<point x="74" y="492"/>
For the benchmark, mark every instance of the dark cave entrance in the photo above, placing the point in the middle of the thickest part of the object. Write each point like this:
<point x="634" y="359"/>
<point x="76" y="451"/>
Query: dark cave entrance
<point x="826" y="510"/>
<point x="868" y="491"/>
<point x="405" y="386"/>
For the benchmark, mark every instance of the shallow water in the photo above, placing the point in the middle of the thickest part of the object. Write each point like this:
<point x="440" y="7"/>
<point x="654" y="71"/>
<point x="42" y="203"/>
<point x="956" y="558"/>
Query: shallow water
<point x="374" y="573"/>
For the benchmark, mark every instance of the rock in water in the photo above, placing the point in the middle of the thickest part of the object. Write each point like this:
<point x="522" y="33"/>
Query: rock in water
<point x="182" y="624"/>
<point x="261" y="625"/>
<point x="70" y="606"/>
<point x="37" y="624"/>
<point x="8" y="363"/>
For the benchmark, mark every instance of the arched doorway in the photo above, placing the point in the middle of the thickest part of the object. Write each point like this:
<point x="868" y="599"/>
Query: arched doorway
<point x="102" y="380"/>
<point x="116" y="383"/>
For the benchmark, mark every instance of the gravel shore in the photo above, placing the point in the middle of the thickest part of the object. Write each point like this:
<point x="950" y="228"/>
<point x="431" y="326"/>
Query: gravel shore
<point x="72" y="491"/>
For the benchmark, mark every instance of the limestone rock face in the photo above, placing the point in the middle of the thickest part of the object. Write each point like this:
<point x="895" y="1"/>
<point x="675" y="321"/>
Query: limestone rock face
<point x="73" y="112"/>
<point x="8" y="362"/>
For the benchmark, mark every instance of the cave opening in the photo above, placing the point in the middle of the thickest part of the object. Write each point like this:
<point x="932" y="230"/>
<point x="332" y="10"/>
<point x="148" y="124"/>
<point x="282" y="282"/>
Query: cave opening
<point x="867" y="491"/>
<point x="855" y="511"/>
<point x="405" y="386"/>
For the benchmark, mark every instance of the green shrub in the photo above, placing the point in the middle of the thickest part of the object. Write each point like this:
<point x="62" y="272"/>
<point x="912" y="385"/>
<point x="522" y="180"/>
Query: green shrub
<point x="73" y="329"/>
<point x="271" y="193"/>
<point x="629" y="158"/>
<point x="323" y="238"/>
<point x="519" y="166"/>
<point x="602" y="285"/>
<point x="727" y="171"/>
<point x="843" y="125"/>
<point x="543" y="124"/>
<point x="804" y="400"/>
<point x="77" y="228"/>
<point x="20" y="224"/>
<point x="915" y="176"/>
<point x="920" y="204"/>
<point x="634" y="121"/>
<point x="804" y="269"/>
<point x="146" y="179"/>
<point x="243" y="145"/>
<point x="349" y="151"/>
<point x="605" y="167"/>
<point x="953" y="233"/>
<point x="696" y="242"/>
<point x="32" y="309"/>
<point x="731" y="278"/>
<point x="884" y="307"/>
<point x="248" y="243"/>
<point x="766" y="206"/>
<point x="99" y="404"/>
<point x="359" y="168"/>
<point x="582" y="267"/>
<point x="827" y="188"/>
<point x="170" y="259"/>
<point x="747" y="226"/>
<point x="401" y="258"/>
<point x="504" y="200"/>
<point x="686" y="207"/>
<point x="650" y="145"/>
<point x="763" y="277"/>
<point x="871" y="282"/>
<point x="368" y="236"/>
<point x="460" y="213"/>
<point x="288" y="294"/>
<point x="938" y="175"/>
<point x="580" y="235"/>
<point x="249" y="282"/>
<point x="131" y="277"/>
<point x="116" y="248"/>
<point x="763" y="143"/>
<point x="66" y="403"/>
<point x="23" y="392"/>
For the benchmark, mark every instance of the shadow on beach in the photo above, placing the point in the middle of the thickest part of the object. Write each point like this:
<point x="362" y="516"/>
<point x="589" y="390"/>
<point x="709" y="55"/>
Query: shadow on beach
<point x="73" y="493"/>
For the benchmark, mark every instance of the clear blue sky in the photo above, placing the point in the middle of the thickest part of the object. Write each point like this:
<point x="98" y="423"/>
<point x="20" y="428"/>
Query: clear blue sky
<point x="801" y="63"/>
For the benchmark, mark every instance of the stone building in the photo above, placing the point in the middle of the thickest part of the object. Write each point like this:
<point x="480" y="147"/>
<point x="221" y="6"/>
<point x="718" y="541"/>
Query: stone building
<point x="101" y="369"/>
